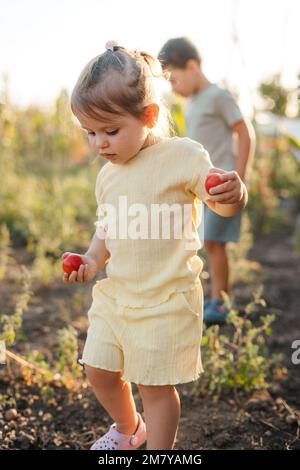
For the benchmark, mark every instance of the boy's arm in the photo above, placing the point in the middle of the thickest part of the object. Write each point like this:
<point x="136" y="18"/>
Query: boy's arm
<point x="245" y="146"/>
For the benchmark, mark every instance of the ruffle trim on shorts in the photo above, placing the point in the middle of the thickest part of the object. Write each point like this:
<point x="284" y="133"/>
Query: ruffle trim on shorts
<point x="180" y="380"/>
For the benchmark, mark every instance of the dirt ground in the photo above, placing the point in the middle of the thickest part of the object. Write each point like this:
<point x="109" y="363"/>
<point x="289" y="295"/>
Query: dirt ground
<point x="73" y="420"/>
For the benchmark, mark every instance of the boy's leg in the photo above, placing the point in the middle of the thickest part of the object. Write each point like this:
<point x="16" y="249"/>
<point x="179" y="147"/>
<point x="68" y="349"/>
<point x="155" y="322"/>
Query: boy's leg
<point x="115" y="396"/>
<point x="162" y="411"/>
<point x="219" y="268"/>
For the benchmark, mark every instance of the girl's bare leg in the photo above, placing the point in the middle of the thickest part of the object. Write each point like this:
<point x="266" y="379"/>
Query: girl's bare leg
<point x="115" y="395"/>
<point x="162" y="412"/>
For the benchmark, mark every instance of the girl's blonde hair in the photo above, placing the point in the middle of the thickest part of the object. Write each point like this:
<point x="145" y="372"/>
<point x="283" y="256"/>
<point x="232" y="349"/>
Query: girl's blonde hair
<point x="121" y="81"/>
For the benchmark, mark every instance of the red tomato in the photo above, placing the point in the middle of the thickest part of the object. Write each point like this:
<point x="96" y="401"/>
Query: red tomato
<point x="72" y="263"/>
<point x="212" y="181"/>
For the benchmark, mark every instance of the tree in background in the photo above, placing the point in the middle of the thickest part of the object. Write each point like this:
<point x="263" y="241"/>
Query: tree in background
<point x="276" y="96"/>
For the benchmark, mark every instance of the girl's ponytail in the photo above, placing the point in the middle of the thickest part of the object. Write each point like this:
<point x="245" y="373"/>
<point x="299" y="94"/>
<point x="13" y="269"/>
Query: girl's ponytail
<point x="122" y="81"/>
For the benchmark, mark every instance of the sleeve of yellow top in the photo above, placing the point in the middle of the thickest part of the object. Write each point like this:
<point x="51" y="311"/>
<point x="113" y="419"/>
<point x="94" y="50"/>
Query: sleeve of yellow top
<point x="200" y="164"/>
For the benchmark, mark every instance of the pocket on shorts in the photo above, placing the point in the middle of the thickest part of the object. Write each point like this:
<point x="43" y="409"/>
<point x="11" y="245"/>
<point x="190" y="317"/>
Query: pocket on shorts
<point x="192" y="300"/>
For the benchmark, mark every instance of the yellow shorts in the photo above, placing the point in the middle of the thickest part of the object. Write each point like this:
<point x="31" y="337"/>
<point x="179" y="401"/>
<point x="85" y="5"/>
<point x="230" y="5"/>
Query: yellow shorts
<point x="157" y="345"/>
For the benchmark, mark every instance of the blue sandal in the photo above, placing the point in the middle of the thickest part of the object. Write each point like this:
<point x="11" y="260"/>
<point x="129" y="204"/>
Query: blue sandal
<point x="215" y="313"/>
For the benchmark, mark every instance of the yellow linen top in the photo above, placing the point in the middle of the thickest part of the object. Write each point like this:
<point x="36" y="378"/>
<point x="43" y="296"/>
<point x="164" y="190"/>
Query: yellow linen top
<point x="146" y="268"/>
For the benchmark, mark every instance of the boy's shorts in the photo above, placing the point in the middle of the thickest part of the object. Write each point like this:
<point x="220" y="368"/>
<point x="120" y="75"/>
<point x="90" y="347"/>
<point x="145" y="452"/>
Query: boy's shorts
<point x="157" y="345"/>
<point x="221" y="229"/>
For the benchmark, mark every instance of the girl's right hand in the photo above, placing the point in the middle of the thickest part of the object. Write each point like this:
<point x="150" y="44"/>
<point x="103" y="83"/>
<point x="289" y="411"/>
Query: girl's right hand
<point x="85" y="273"/>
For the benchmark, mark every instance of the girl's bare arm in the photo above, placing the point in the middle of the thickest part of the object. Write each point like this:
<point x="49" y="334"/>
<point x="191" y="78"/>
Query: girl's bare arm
<point x="94" y="260"/>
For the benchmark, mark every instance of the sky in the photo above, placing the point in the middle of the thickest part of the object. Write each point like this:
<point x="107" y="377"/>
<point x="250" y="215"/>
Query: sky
<point x="45" y="44"/>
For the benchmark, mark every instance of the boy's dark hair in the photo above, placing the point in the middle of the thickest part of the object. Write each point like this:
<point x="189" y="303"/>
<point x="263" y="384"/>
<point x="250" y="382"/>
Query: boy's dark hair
<point x="176" y="53"/>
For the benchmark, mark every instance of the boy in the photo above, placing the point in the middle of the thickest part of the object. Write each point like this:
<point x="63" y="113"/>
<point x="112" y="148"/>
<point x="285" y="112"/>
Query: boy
<point x="212" y="118"/>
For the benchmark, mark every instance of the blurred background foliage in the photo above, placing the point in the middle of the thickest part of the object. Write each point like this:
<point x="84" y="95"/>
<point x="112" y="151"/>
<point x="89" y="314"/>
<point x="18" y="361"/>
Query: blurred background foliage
<point x="48" y="206"/>
<point x="47" y="194"/>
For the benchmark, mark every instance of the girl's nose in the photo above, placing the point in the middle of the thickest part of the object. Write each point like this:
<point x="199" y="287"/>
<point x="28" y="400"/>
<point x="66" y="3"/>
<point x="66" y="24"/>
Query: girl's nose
<point x="101" y="142"/>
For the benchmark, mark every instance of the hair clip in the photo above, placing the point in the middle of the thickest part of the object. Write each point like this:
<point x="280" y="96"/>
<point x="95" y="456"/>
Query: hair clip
<point x="109" y="46"/>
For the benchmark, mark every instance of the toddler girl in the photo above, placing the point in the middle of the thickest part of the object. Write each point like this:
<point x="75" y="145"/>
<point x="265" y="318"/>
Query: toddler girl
<point x="145" y="321"/>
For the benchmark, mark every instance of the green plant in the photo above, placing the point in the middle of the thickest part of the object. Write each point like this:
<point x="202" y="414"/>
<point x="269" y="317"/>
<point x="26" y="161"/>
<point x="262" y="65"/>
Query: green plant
<point x="11" y="325"/>
<point x="238" y="360"/>
<point x="5" y="250"/>
<point x="40" y="373"/>
<point x="65" y="371"/>
<point x="243" y="269"/>
<point x="67" y="364"/>
<point x="7" y="401"/>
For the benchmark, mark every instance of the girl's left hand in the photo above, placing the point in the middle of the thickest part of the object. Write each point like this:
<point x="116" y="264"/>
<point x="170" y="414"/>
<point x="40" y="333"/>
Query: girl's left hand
<point x="228" y="192"/>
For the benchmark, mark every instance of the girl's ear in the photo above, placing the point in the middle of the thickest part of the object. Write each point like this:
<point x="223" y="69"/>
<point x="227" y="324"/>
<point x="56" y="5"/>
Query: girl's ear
<point x="151" y="115"/>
